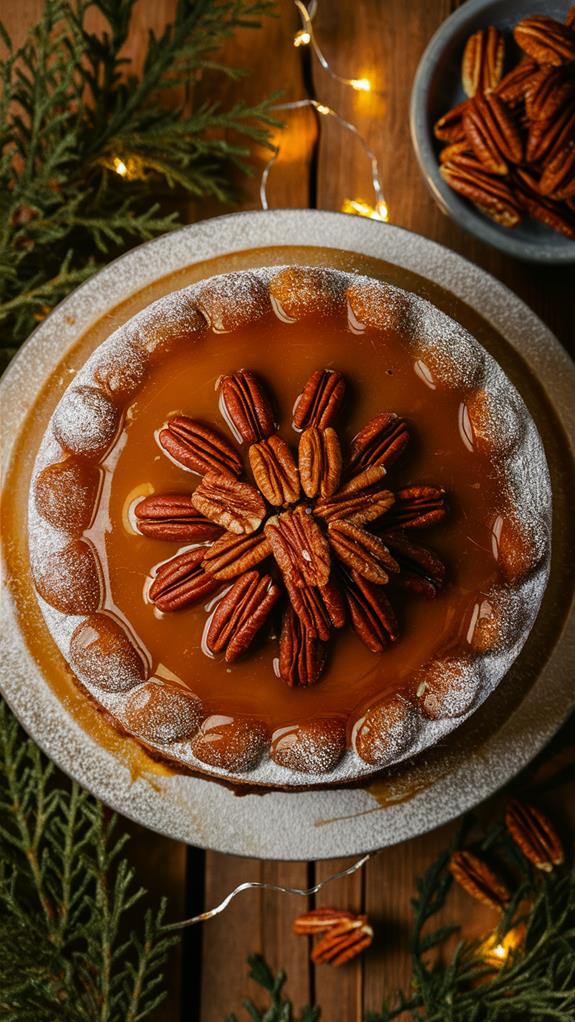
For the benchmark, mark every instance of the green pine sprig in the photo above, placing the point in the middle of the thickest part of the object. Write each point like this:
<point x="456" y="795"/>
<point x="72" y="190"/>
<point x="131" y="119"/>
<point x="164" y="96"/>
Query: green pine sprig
<point x="76" y="942"/>
<point x="280" y="1009"/>
<point x="71" y="107"/>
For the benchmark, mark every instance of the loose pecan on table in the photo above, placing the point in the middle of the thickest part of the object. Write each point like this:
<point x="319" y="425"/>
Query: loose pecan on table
<point x="478" y="879"/>
<point x="344" y="934"/>
<point x="535" y="835"/>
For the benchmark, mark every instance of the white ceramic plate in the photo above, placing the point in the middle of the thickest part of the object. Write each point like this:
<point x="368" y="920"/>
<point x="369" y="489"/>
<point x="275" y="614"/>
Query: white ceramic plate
<point x="482" y="755"/>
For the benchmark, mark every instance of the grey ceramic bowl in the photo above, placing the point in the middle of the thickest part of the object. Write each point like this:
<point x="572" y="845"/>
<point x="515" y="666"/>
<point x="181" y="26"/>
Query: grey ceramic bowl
<point x="437" y="87"/>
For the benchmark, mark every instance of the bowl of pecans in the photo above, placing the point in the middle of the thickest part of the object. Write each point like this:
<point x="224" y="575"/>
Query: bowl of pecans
<point x="493" y="124"/>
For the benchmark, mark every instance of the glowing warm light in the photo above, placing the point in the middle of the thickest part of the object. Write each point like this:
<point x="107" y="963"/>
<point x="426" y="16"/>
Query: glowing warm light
<point x="321" y="109"/>
<point x="119" y="166"/>
<point x="359" y="207"/>
<point x="361" y="84"/>
<point x="302" y="38"/>
<point x="496" y="951"/>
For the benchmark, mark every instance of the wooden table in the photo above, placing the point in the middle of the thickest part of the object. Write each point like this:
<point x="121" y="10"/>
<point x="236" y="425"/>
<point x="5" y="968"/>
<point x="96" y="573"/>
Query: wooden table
<point x="381" y="39"/>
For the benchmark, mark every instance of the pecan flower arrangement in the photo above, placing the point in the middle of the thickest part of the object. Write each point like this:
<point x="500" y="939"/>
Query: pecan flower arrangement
<point x="320" y="537"/>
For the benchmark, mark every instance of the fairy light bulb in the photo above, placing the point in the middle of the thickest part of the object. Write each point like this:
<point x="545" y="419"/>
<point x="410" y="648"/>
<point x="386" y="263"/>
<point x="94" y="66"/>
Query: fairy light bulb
<point x="302" y="38"/>
<point x="359" y="207"/>
<point x="119" y="166"/>
<point x="361" y="84"/>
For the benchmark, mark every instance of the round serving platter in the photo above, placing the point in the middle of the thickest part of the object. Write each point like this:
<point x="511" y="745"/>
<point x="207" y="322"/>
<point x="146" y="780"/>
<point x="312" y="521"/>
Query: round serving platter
<point x="482" y="754"/>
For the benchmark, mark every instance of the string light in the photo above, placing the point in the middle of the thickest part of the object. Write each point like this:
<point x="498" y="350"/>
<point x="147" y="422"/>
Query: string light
<point x="302" y="38"/>
<point x="257" y="885"/>
<point x="496" y="950"/>
<point x="119" y="166"/>
<point x="362" y="208"/>
<point x="306" y="37"/>
<point x="130" y="168"/>
<point x="379" y="211"/>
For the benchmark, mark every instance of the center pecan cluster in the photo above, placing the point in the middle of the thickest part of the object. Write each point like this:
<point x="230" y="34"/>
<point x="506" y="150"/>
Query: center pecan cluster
<point x="332" y="531"/>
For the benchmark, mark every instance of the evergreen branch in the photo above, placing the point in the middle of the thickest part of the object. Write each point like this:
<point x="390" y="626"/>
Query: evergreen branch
<point x="71" y="106"/>
<point x="66" y="893"/>
<point x="280" y="1009"/>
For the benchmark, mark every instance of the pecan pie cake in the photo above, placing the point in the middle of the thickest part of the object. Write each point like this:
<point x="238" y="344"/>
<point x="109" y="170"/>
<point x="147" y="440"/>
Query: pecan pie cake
<point x="290" y="526"/>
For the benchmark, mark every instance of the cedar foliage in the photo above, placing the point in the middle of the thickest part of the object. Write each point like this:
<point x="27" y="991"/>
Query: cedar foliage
<point x="68" y="899"/>
<point x="71" y="107"/>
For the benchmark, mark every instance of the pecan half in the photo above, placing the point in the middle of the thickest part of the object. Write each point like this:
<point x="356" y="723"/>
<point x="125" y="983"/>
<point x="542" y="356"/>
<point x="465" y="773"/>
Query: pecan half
<point x="381" y="441"/>
<point x="245" y="406"/>
<point x="362" y="499"/>
<point x="421" y="571"/>
<point x="545" y="40"/>
<point x="478" y="879"/>
<point x="230" y="556"/>
<point x="360" y="550"/>
<point x="570" y="17"/>
<point x="319" y="401"/>
<point x="319" y="461"/>
<point x="317" y="607"/>
<point x="417" y="507"/>
<point x="515" y="85"/>
<point x="238" y="507"/>
<point x="550" y="92"/>
<point x="274" y="471"/>
<point x="319" y="920"/>
<point x="491" y="195"/>
<point x="172" y="516"/>
<point x="182" y="581"/>
<point x="544" y="210"/>
<point x="302" y="656"/>
<point x="299" y="547"/>
<point x="240" y="614"/>
<point x="558" y="178"/>
<point x="372" y="616"/>
<point x="482" y="64"/>
<point x="342" y="942"/>
<point x="535" y="836"/>
<point x="547" y="138"/>
<point x="449" y="128"/>
<point x="492" y="133"/>
<point x="198" y="447"/>
<point x="459" y="151"/>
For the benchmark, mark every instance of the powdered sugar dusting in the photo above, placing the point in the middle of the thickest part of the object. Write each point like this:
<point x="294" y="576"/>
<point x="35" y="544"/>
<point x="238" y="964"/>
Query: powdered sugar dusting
<point x="314" y="748"/>
<point x="232" y="300"/>
<point x="448" y="688"/>
<point x="162" y="713"/>
<point x="85" y="422"/>
<point x="299" y="291"/>
<point x="496" y="417"/>
<point x="387" y="732"/>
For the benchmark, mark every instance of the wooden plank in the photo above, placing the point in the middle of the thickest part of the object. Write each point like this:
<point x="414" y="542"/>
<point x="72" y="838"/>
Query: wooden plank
<point x="339" y="991"/>
<point x="259" y="921"/>
<point x="390" y="886"/>
<point x="255" y="922"/>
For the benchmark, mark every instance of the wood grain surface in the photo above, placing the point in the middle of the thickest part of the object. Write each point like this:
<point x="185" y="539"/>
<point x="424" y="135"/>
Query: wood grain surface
<point x="381" y="39"/>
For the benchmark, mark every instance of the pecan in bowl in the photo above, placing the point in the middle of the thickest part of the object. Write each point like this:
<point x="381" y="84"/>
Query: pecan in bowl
<point x="500" y="150"/>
